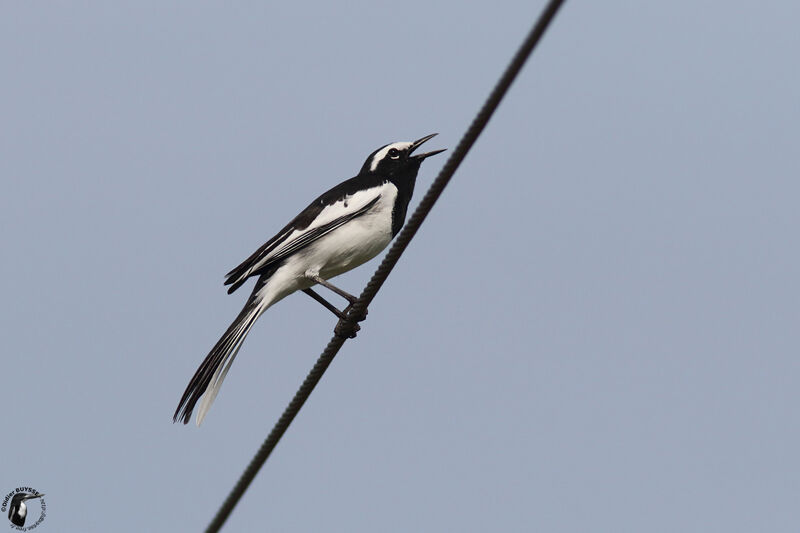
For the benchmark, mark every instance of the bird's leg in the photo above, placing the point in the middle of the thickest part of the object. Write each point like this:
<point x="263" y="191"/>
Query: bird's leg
<point x="325" y="303"/>
<point x="340" y="330"/>
<point x="345" y="327"/>
<point x="328" y="285"/>
<point x="344" y="294"/>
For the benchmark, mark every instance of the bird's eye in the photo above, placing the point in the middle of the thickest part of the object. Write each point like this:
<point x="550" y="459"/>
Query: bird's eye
<point x="394" y="153"/>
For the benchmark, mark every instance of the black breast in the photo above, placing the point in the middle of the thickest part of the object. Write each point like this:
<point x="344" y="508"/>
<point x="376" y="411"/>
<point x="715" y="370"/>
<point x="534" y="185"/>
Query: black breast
<point x="405" y="189"/>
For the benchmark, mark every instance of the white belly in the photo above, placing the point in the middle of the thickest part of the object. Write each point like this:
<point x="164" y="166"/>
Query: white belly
<point x="353" y="244"/>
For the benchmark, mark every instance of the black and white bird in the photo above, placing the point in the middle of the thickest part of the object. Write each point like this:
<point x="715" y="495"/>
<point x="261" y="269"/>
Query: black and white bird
<point x="342" y="229"/>
<point x="18" y="511"/>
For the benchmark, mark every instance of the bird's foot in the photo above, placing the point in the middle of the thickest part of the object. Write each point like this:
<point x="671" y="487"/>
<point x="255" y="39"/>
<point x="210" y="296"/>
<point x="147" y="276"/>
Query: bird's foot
<point x="347" y="326"/>
<point x="346" y="329"/>
<point x="361" y="317"/>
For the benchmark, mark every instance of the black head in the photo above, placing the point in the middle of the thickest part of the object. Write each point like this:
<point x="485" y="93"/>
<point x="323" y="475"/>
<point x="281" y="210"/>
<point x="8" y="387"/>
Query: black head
<point x="397" y="158"/>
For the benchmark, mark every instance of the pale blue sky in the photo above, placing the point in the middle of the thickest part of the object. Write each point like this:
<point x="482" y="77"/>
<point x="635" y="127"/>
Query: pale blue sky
<point x="595" y="330"/>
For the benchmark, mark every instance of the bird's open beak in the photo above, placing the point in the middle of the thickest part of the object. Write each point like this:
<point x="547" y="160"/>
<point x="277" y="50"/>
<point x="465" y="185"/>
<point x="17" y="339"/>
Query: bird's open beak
<point x="420" y="142"/>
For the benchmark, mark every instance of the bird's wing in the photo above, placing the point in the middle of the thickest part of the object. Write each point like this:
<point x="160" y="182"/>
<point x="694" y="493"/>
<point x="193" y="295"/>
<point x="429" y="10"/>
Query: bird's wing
<point x="307" y="237"/>
<point x="316" y="220"/>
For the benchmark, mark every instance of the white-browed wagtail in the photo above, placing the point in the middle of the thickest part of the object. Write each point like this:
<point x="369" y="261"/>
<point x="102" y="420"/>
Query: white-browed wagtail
<point x="342" y="229"/>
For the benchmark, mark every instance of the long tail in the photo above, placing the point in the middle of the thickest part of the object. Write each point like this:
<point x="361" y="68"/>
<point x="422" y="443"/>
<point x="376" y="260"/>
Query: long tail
<point x="207" y="381"/>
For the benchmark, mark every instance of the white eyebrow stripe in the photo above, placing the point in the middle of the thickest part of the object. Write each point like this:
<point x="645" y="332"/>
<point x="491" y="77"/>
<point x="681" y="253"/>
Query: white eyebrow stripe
<point x="383" y="152"/>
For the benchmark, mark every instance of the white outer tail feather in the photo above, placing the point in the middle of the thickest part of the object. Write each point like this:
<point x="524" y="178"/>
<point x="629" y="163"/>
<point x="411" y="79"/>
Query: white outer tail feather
<point x="241" y="332"/>
<point x="281" y="283"/>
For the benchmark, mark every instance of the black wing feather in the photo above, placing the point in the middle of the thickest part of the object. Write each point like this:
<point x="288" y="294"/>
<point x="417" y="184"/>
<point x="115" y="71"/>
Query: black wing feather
<point x="239" y="275"/>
